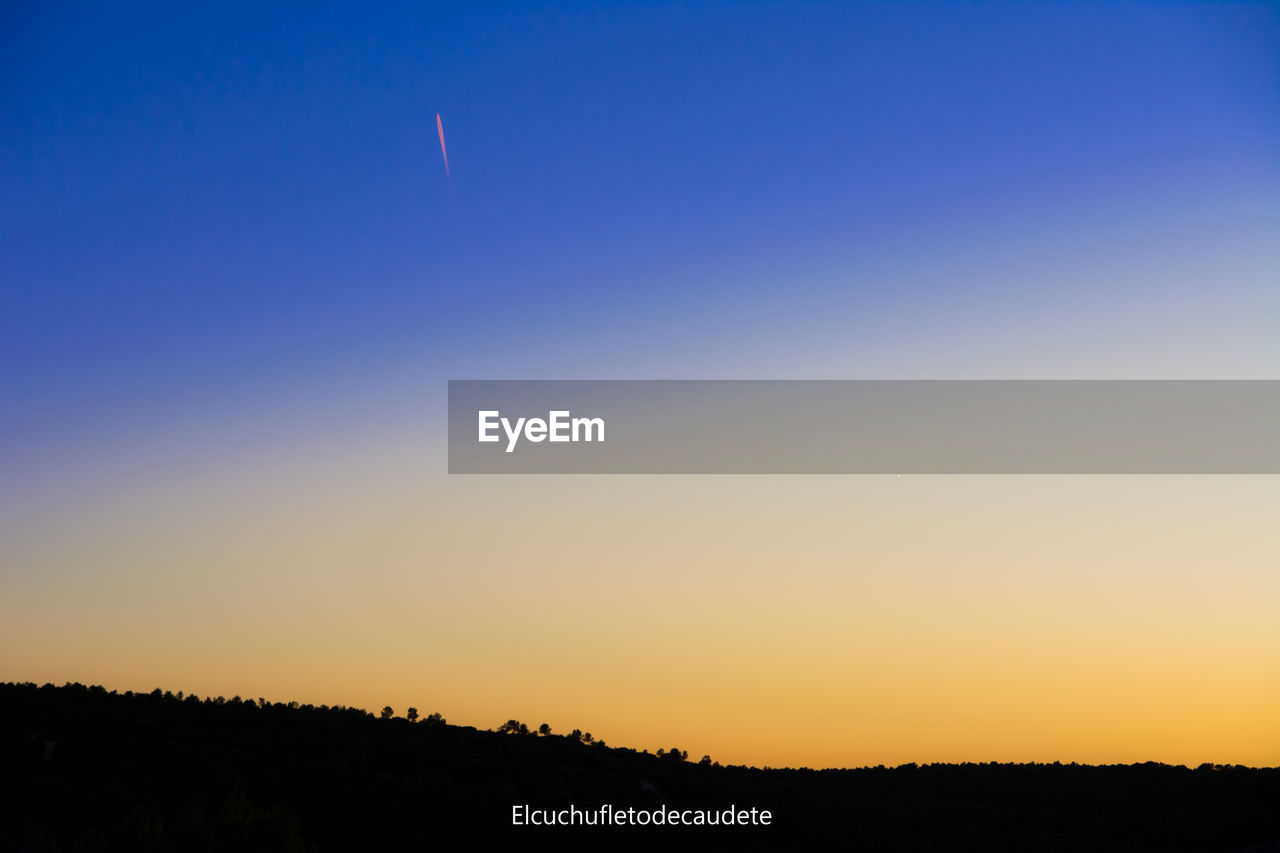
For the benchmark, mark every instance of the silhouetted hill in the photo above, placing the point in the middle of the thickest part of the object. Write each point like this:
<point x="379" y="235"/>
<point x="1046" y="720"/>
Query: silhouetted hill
<point x="84" y="769"/>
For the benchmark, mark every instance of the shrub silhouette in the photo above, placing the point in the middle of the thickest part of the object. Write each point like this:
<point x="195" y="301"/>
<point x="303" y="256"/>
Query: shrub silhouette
<point x="387" y="713"/>
<point x="513" y="727"/>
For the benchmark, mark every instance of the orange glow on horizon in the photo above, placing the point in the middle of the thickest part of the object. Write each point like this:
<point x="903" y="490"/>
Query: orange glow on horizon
<point x="787" y="621"/>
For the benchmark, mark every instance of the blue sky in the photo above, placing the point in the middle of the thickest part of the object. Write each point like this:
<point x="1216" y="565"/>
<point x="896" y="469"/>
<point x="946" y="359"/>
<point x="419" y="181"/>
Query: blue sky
<point x="210" y="208"/>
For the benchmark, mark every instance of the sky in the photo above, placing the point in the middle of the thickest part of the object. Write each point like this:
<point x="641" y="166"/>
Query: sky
<point x="235" y="278"/>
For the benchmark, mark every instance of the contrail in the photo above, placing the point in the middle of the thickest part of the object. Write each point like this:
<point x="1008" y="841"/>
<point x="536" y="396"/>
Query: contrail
<point x="440" y="127"/>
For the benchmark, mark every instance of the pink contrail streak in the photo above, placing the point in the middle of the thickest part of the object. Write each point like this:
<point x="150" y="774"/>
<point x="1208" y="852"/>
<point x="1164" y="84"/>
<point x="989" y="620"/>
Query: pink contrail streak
<point x="440" y="127"/>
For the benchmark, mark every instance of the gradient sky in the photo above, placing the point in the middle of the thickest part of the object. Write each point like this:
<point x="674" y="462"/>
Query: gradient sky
<point x="234" y="279"/>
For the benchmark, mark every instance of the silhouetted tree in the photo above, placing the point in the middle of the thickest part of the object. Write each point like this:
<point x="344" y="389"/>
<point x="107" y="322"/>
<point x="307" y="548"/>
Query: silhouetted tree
<point x="544" y="729"/>
<point x="513" y="727"/>
<point x="387" y="713"/>
<point x="411" y="715"/>
<point x="705" y="761"/>
<point x="435" y="718"/>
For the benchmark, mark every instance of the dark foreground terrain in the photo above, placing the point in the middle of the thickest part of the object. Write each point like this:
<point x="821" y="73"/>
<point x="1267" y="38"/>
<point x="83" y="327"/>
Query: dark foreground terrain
<point x="84" y="769"/>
